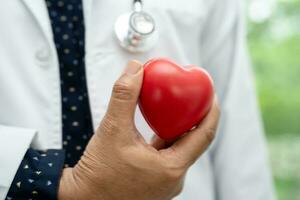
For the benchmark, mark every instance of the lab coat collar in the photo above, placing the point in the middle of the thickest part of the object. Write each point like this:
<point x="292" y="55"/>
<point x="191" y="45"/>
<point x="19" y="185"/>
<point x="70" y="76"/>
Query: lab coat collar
<point x="40" y="12"/>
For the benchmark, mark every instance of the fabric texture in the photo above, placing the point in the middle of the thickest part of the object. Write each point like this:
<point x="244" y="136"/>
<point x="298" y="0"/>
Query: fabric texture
<point x="39" y="173"/>
<point x="37" y="176"/>
<point x="68" y="29"/>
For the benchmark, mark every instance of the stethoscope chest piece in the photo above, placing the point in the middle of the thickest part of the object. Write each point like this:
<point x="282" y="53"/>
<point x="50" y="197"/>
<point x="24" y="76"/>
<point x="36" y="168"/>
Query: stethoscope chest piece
<point x="136" y="31"/>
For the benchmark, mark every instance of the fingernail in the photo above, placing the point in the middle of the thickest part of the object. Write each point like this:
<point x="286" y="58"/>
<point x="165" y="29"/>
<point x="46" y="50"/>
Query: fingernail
<point x="133" y="67"/>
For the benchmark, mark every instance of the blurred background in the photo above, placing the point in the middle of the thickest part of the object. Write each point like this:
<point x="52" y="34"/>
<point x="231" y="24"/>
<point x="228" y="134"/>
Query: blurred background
<point x="274" y="41"/>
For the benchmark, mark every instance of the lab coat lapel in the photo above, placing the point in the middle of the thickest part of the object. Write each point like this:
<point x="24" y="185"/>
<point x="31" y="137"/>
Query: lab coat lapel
<point x="87" y="6"/>
<point x="39" y="11"/>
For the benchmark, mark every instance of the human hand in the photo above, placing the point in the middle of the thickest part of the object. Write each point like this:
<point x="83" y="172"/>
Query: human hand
<point x="119" y="165"/>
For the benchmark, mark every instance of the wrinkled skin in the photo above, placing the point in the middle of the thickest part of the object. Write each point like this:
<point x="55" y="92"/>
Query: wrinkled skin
<point x="119" y="165"/>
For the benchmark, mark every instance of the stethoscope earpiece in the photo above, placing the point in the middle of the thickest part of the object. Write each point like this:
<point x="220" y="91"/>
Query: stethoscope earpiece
<point x="136" y="31"/>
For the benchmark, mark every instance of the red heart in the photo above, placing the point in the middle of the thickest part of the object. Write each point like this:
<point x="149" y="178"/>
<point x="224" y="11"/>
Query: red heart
<point x="174" y="99"/>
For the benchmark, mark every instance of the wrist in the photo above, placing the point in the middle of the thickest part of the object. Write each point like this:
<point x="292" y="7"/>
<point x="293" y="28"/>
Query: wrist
<point x="73" y="187"/>
<point x="67" y="185"/>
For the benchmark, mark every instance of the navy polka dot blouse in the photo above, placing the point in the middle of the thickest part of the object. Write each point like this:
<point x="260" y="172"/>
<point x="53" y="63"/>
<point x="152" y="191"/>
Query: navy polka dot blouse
<point x="39" y="173"/>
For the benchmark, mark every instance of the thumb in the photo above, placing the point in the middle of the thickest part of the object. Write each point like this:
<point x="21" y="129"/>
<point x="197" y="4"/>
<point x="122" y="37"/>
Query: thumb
<point x="125" y="93"/>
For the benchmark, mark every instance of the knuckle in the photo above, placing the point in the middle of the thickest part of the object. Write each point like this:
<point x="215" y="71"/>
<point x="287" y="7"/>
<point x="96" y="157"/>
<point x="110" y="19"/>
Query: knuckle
<point x="173" y="172"/>
<point x="122" y="91"/>
<point x="109" y="125"/>
<point x="178" y="190"/>
<point x="210" y="134"/>
<point x="218" y="109"/>
<point x="173" y="175"/>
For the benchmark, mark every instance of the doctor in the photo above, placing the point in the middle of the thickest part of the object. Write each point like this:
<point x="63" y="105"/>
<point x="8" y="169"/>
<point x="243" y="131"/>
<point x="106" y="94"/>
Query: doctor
<point x="58" y="64"/>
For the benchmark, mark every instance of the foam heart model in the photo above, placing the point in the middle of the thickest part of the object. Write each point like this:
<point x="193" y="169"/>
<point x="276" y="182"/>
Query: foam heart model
<point x="174" y="99"/>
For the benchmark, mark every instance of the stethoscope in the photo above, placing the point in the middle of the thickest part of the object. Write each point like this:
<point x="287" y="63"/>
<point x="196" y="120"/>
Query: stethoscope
<point x="136" y="31"/>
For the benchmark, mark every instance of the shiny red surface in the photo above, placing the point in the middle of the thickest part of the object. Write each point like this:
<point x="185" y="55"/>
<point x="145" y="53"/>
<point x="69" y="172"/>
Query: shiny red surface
<point x="174" y="99"/>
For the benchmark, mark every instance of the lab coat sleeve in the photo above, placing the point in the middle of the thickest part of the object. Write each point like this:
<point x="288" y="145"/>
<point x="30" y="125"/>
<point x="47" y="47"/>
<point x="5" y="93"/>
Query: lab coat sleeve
<point x="14" y="143"/>
<point x="238" y="155"/>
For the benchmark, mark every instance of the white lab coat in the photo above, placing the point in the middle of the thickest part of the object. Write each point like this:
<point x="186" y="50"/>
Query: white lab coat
<point x="205" y="33"/>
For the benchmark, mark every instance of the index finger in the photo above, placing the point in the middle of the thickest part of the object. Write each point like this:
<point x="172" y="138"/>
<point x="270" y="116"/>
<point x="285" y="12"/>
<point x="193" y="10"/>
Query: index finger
<point x="193" y="144"/>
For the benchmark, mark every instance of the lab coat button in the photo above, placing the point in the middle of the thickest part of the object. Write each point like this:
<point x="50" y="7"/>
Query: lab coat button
<point x="43" y="55"/>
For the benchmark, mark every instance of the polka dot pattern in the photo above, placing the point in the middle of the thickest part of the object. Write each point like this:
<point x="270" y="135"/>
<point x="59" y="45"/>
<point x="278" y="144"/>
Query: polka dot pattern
<point x="38" y="175"/>
<point x="68" y="28"/>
